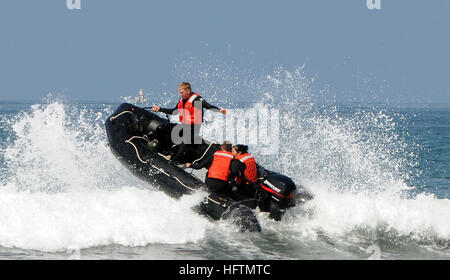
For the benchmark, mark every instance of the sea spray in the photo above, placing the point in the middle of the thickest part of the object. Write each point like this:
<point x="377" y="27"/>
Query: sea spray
<point x="64" y="189"/>
<point x="358" y="161"/>
<point x="127" y="216"/>
<point x="355" y="160"/>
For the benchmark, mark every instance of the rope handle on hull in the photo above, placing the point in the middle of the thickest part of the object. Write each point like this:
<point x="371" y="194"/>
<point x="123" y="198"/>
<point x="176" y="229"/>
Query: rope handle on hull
<point x="154" y="166"/>
<point x="120" y="114"/>
<point x="162" y="170"/>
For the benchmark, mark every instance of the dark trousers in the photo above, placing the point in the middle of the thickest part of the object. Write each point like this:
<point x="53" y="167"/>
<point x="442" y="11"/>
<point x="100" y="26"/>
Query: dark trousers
<point x="191" y="137"/>
<point x="247" y="190"/>
<point x="218" y="186"/>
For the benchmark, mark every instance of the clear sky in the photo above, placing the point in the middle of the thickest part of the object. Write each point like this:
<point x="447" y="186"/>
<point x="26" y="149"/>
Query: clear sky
<point x="111" y="48"/>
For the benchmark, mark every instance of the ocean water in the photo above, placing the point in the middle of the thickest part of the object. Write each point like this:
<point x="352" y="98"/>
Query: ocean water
<point x="380" y="174"/>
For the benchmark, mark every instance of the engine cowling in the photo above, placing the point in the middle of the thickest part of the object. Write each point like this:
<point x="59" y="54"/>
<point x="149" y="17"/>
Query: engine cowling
<point x="276" y="194"/>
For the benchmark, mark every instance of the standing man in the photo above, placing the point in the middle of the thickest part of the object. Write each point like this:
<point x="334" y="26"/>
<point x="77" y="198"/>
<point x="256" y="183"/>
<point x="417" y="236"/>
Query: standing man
<point x="190" y="110"/>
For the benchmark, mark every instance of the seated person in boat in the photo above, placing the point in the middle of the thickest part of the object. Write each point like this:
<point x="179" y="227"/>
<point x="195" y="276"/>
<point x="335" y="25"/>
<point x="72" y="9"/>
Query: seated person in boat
<point x="221" y="167"/>
<point x="246" y="182"/>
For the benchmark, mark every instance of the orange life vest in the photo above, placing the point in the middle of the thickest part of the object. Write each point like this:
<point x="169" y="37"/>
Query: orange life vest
<point x="250" y="172"/>
<point x="189" y="114"/>
<point x="220" y="167"/>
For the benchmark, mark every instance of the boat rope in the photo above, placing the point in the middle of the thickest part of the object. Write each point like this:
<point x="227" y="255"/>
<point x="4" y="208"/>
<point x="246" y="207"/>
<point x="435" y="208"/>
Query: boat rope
<point x="118" y="115"/>
<point x="171" y="176"/>
<point x="204" y="152"/>
<point x="164" y="156"/>
<point x="138" y="137"/>
<point x="154" y="166"/>
<point x="207" y="149"/>
<point x="137" y="152"/>
<point x="164" y="172"/>
<point x="179" y="181"/>
<point x="217" y="202"/>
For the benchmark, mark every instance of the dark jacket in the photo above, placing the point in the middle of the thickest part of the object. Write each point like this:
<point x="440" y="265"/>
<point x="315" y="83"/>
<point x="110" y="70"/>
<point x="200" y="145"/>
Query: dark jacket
<point x="205" y="105"/>
<point x="237" y="167"/>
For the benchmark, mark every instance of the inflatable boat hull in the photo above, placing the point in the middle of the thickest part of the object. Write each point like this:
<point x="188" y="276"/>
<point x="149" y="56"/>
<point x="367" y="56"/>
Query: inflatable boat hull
<point x="141" y="141"/>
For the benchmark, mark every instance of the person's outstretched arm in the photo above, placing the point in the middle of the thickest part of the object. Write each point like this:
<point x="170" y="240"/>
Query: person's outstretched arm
<point x="208" y="106"/>
<point x="164" y="110"/>
<point x="205" y="162"/>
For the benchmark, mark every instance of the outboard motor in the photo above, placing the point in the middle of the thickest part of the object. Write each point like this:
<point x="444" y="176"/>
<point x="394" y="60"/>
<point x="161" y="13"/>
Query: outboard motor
<point x="276" y="194"/>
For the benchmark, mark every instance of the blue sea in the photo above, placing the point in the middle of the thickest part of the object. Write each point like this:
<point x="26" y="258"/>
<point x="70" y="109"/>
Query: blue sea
<point x="380" y="175"/>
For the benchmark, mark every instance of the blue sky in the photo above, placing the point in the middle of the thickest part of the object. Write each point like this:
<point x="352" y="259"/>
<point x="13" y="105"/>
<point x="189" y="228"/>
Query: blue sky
<point x="111" y="48"/>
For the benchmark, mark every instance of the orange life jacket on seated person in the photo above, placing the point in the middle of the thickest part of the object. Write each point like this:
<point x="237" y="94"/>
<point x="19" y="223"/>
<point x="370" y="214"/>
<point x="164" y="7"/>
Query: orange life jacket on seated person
<point x="220" y="166"/>
<point x="250" y="172"/>
<point x="188" y="113"/>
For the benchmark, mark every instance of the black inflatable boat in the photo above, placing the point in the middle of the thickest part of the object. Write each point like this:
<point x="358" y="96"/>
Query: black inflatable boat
<point x="142" y="142"/>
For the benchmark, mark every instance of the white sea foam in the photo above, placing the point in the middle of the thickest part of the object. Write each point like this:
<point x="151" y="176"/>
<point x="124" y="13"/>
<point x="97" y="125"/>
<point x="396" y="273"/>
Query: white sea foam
<point x="127" y="216"/>
<point x="356" y="163"/>
<point x="422" y="218"/>
<point x="65" y="190"/>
